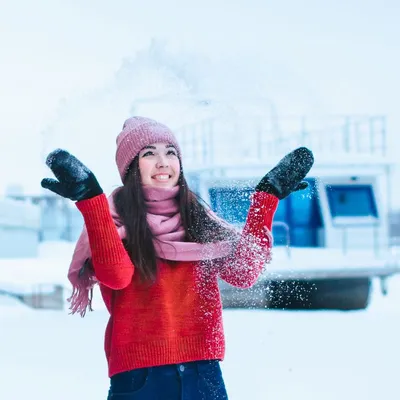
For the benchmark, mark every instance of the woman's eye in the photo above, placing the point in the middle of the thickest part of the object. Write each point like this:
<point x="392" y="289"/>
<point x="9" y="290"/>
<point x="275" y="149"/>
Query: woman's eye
<point x="148" y="153"/>
<point x="171" y="152"/>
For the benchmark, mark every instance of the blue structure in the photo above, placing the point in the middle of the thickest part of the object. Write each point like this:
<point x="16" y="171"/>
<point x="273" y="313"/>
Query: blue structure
<point x="300" y="212"/>
<point x="19" y="228"/>
<point x="334" y="235"/>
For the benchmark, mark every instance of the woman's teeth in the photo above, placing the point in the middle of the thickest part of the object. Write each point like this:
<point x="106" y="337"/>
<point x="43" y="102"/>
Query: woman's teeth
<point x="161" y="177"/>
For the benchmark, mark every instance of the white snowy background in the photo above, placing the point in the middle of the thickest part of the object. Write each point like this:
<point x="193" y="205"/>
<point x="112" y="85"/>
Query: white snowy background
<point x="277" y="355"/>
<point x="308" y="57"/>
<point x="66" y="79"/>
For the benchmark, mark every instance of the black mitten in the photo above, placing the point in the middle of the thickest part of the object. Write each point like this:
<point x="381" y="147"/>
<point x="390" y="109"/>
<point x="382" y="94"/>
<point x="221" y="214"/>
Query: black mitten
<point x="74" y="180"/>
<point x="287" y="176"/>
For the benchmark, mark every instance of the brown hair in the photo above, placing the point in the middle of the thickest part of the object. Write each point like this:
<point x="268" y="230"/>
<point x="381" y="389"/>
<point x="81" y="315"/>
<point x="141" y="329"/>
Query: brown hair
<point x="199" y="226"/>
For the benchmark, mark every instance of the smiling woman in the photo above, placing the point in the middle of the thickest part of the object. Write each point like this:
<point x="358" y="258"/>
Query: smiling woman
<point x="157" y="253"/>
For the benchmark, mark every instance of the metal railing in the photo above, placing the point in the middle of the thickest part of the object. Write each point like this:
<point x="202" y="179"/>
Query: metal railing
<point x="209" y="141"/>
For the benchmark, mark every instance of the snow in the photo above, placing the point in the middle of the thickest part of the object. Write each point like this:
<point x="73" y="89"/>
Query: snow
<point x="75" y="94"/>
<point x="280" y="355"/>
<point x="314" y="355"/>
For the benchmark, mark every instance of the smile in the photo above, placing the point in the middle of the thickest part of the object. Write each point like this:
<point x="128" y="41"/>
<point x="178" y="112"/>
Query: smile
<point x="161" y="177"/>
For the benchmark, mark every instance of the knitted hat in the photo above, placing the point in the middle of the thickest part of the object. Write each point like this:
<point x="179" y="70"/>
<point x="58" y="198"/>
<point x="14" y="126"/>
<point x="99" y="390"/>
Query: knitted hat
<point x="137" y="133"/>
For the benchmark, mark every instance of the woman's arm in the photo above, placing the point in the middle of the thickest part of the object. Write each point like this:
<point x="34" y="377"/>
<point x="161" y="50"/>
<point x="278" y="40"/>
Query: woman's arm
<point x="245" y="265"/>
<point x="111" y="262"/>
<point x="77" y="182"/>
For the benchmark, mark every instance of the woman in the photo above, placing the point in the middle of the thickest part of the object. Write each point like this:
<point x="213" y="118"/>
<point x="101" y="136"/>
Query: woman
<point x="157" y="252"/>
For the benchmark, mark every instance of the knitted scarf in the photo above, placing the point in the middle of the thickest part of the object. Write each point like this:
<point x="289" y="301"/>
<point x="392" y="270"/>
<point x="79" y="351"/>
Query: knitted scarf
<point x="165" y="223"/>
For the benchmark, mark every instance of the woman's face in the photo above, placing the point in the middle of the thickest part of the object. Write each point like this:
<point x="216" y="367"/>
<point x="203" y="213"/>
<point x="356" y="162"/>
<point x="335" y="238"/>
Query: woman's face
<point x="159" y="165"/>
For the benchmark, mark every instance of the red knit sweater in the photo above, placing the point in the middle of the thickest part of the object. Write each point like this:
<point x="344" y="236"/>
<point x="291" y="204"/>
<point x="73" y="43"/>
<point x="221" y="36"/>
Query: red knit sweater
<point x="178" y="318"/>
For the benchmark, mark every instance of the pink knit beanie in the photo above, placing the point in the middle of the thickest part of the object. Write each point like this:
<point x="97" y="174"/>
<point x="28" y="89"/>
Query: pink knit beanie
<point x="137" y="133"/>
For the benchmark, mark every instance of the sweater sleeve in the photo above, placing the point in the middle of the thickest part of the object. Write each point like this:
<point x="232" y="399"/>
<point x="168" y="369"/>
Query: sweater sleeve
<point x="111" y="262"/>
<point x="245" y="265"/>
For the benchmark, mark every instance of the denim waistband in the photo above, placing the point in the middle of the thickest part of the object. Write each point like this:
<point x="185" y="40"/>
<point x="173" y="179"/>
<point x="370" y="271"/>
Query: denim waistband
<point x="173" y="369"/>
<point x="186" y="366"/>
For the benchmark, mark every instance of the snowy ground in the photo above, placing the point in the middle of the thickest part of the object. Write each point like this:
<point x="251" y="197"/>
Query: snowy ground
<point x="270" y="354"/>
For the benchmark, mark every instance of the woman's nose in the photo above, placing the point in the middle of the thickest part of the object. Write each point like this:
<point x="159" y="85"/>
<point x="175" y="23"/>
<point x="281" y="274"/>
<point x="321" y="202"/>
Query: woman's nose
<point x="162" y="161"/>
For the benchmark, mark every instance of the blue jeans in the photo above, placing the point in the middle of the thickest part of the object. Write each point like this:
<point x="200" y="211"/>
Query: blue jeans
<point x="198" y="380"/>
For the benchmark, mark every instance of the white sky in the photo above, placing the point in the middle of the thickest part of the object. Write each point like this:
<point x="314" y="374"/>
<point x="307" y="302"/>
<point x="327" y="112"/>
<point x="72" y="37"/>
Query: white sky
<point x="332" y="57"/>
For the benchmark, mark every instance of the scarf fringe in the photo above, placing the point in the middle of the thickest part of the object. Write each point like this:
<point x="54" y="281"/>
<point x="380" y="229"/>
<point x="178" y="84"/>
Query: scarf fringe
<point x="82" y="294"/>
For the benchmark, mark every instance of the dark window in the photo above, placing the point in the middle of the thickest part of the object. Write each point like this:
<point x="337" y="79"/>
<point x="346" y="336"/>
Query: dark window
<point x="300" y="212"/>
<point x="305" y="217"/>
<point x="302" y="207"/>
<point x="352" y="201"/>
<point x="231" y="204"/>
<point x="281" y="211"/>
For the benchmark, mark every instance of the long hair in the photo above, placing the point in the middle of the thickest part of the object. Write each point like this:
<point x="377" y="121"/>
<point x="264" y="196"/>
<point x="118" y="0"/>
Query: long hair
<point x="130" y="205"/>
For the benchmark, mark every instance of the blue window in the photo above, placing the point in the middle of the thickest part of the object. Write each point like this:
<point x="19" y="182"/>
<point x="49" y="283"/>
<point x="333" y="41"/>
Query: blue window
<point x="281" y="211"/>
<point x="352" y="201"/>
<point x="299" y="212"/>
<point x="304" y="217"/>
<point x="302" y="206"/>
<point x="231" y="204"/>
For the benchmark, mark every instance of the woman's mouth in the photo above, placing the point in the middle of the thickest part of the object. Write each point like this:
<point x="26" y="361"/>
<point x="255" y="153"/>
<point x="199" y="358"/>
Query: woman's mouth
<point x="161" y="177"/>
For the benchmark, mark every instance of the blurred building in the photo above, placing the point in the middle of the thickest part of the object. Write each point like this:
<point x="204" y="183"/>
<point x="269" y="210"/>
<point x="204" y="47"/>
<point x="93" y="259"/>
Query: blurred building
<point x="19" y="227"/>
<point x="394" y="226"/>
<point x="27" y="220"/>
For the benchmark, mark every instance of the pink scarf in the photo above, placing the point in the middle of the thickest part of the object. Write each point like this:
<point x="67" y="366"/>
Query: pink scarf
<point x="165" y="223"/>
